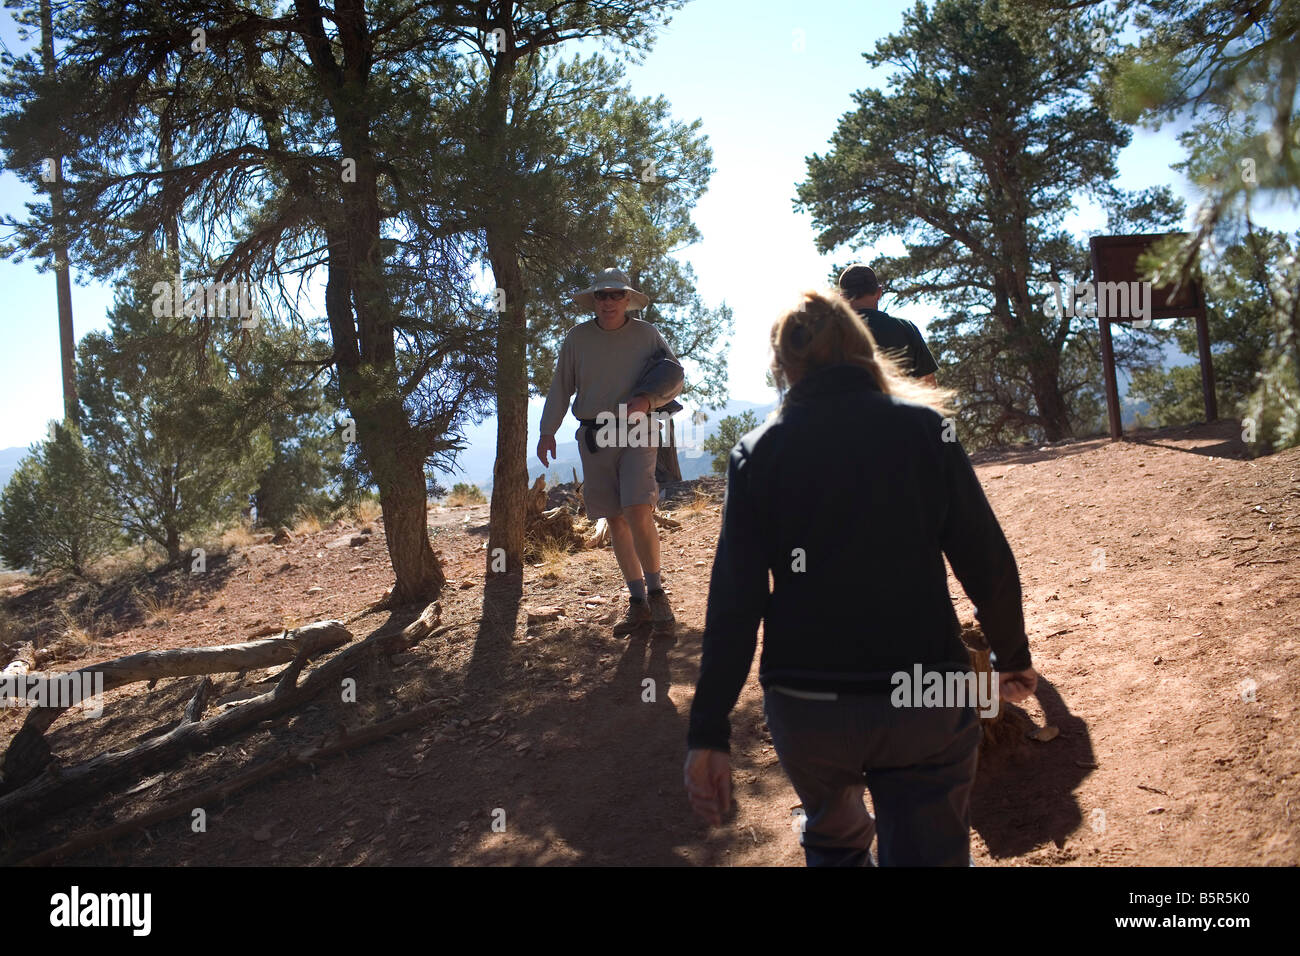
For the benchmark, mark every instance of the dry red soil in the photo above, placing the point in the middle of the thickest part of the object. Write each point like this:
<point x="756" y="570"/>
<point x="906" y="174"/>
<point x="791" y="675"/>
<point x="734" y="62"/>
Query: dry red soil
<point x="1162" y="599"/>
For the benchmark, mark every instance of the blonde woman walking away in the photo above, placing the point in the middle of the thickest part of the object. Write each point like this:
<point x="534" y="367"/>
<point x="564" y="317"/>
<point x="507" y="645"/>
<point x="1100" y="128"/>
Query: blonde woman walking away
<point x="850" y="496"/>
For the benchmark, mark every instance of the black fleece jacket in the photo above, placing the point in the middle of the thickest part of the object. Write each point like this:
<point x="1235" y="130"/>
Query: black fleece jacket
<point x="850" y="498"/>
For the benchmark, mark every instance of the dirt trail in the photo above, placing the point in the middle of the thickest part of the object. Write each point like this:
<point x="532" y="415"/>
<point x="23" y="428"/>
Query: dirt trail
<point x="1162" y="596"/>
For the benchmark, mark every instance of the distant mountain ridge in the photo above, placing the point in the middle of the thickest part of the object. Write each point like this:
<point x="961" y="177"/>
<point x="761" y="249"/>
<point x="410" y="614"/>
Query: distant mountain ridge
<point x="477" y="460"/>
<point x="691" y="457"/>
<point x="9" y="459"/>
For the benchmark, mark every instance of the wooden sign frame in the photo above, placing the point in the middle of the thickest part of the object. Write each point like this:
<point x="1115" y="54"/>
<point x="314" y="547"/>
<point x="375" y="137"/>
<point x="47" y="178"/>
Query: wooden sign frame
<point x="1114" y="259"/>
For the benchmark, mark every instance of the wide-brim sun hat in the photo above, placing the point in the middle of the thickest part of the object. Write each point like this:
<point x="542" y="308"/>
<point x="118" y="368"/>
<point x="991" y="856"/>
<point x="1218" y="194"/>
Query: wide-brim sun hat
<point x="610" y="279"/>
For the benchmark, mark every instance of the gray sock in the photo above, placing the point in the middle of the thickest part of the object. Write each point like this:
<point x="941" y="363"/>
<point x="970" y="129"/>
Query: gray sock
<point x="652" y="581"/>
<point x="638" y="589"/>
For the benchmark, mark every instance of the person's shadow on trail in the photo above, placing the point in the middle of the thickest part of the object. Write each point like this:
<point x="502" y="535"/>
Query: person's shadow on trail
<point x="1023" y="794"/>
<point x="612" y="787"/>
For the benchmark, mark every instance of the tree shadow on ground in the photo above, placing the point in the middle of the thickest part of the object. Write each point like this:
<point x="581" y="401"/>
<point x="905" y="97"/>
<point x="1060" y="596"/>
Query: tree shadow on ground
<point x="583" y="761"/>
<point x="1033" y="454"/>
<point x="488" y="667"/>
<point x="1024" y="789"/>
<point x="1222" y="439"/>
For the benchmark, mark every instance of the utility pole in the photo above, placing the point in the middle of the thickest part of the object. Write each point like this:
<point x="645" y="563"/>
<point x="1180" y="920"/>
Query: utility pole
<point x="59" y="218"/>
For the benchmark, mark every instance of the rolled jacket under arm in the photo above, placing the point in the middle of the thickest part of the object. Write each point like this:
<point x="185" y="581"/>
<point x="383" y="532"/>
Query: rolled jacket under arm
<point x="662" y="380"/>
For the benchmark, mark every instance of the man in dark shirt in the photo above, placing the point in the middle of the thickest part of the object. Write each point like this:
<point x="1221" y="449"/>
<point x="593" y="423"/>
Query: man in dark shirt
<point x="898" y="338"/>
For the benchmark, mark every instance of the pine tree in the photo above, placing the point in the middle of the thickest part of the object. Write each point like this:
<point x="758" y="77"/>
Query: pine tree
<point x="1227" y="71"/>
<point x="275" y="149"/>
<point x="1239" y="314"/>
<point x="730" y="431"/>
<point x="991" y="131"/>
<point x="54" y="512"/>
<point x="575" y="175"/>
<point x="159" y="410"/>
<point x="328" y="144"/>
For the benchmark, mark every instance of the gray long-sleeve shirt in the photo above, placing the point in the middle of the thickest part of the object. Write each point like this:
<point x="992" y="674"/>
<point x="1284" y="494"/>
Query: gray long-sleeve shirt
<point x="602" y="366"/>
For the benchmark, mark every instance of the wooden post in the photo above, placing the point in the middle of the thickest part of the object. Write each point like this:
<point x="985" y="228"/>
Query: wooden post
<point x="1111" y="385"/>
<point x="1207" y="366"/>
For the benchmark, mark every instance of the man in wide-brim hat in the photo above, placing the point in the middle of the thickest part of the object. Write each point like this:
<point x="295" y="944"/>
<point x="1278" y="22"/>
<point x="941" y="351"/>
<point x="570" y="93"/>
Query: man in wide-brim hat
<point x="604" y="360"/>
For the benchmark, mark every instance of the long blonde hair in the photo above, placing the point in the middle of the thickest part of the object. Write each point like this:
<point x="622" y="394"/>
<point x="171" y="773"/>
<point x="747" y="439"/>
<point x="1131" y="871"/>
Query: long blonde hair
<point x="823" y="330"/>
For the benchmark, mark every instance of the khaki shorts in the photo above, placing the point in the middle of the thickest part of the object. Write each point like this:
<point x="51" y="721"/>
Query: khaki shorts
<point x="616" y="478"/>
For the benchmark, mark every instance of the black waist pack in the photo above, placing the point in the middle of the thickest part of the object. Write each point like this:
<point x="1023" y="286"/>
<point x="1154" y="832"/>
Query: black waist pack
<point x="592" y="425"/>
<point x="661" y="376"/>
<point x="589" y="436"/>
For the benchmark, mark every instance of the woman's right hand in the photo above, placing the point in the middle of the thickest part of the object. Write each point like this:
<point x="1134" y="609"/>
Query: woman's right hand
<point x="708" y="784"/>
<point x="1015" y="686"/>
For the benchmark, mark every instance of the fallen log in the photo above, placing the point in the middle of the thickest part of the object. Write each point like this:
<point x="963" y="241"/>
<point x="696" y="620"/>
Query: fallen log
<point x="59" y="788"/>
<point x="29" y="752"/>
<point x="221" y="791"/>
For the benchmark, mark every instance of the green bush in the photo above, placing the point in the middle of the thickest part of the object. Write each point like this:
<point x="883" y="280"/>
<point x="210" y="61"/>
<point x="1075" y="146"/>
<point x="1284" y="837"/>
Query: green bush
<point x="730" y="430"/>
<point x="464" y="494"/>
<point x="55" y="513"/>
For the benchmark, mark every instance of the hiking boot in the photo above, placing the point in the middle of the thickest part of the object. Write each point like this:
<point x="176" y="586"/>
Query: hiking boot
<point x="661" y="612"/>
<point x="634" y="618"/>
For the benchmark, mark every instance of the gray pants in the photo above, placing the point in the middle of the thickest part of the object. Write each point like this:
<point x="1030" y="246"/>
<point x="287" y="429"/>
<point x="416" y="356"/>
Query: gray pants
<point x="918" y="763"/>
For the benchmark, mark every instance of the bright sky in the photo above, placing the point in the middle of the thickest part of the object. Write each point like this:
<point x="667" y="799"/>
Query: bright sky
<point x="770" y="80"/>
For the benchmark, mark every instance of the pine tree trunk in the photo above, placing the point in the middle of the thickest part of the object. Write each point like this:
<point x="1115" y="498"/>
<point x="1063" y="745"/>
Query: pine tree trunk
<point x="389" y="446"/>
<point x="510" y="471"/>
<point x="395" y="456"/>
<point x="67" y="338"/>
<point x="403" y="497"/>
<point x="171" y="224"/>
<point x="360" y="308"/>
<point x="1052" y="407"/>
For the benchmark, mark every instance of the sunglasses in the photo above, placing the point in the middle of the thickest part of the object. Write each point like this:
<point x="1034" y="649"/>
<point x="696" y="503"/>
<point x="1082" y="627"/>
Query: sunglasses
<point x="608" y="296"/>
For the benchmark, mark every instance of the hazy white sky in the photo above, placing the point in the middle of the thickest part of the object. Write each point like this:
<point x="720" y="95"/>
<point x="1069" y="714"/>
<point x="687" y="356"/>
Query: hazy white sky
<point x="770" y="80"/>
